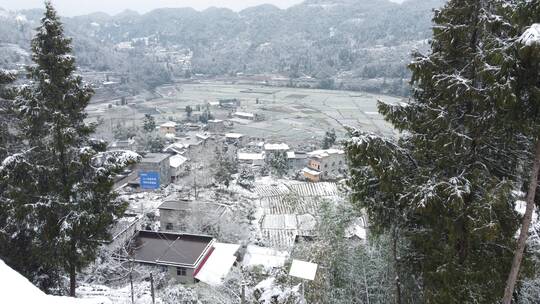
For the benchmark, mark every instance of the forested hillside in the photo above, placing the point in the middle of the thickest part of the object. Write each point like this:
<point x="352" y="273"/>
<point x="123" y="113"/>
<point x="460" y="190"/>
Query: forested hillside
<point x="338" y="39"/>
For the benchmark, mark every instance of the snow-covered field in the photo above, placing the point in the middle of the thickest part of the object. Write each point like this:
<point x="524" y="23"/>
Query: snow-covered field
<point x="292" y="115"/>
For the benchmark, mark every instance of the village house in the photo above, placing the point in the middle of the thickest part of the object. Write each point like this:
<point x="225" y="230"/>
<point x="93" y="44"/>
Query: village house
<point x="178" y="167"/>
<point x="183" y="255"/>
<point x="235" y="138"/>
<point x="254" y="159"/>
<point x="154" y="171"/>
<point x="325" y="164"/>
<point x="192" y="144"/>
<point x="273" y="149"/>
<point x="312" y="175"/>
<point x="215" y="125"/>
<point x="297" y="160"/>
<point x="127" y="144"/>
<point x="167" y="128"/>
<point x="244" y="115"/>
<point x="229" y="103"/>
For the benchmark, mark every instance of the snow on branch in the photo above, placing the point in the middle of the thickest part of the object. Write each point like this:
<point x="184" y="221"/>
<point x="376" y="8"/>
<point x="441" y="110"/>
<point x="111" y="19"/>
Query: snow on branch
<point x="531" y="36"/>
<point x="114" y="160"/>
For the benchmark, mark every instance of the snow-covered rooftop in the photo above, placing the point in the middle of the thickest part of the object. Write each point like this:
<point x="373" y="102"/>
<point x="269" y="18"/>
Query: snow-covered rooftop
<point x="169" y="124"/>
<point x="203" y="136"/>
<point x="244" y="114"/>
<point x="276" y="147"/>
<point x="266" y="257"/>
<point x="531" y="36"/>
<point x="218" y="264"/>
<point x="311" y="171"/>
<point x="234" y="135"/>
<point x="279" y="221"/>
<point x="177" y="160"/>
<point x="303" y="270"/>
<point x="155" y="157"/>
<point x="176" y="148"/>
<point x="250" y="156"/>
<point x="325" y="153"/>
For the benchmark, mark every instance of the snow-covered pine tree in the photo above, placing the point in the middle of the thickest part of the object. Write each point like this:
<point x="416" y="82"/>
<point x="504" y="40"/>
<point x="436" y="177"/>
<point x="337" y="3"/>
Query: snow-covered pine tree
<point x="149" y="123"/>
<point x="246" y="177"/>
<point x="226" y="167"/>
<point x="329" y="139"/>
<point x="59" y="188"/>
<point x="6" y="111"/>
<point x="454" y="210"/>
<point x="278" y="163"/>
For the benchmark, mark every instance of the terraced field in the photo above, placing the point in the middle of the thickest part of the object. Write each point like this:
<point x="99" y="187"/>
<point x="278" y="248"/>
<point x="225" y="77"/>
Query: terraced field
<point x="292" y="115"/>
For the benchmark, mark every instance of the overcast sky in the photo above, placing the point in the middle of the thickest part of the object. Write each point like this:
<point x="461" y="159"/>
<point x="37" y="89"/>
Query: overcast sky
<point x="80" y="7"/>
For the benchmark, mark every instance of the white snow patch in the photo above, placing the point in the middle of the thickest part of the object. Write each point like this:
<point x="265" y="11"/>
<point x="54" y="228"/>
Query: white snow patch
<point x="218" y="264"/>
<point x="177" y="160"/>
<point x="266" y="257"/>
<point x="521" y="207"/>
<point x="303" y="270"/>
<point x="531" y="36"/>
<point x="21" y="19"/>
<point x="250" y="156"/>
<point x="276" y="147"/>
<point x="14" y="288"/>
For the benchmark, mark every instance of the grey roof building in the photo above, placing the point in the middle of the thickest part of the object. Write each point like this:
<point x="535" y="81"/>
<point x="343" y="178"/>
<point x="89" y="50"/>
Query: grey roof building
<point x="157" y="163"/>
<point x="182" y="254"/>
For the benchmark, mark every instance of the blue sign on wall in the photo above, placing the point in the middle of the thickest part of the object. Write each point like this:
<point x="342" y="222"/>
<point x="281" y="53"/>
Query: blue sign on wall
<point x="149" y="180"/>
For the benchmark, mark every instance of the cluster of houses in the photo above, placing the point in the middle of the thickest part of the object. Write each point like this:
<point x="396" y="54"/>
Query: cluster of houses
<point x="186" y="148"/>
<point x="315" y="166"/>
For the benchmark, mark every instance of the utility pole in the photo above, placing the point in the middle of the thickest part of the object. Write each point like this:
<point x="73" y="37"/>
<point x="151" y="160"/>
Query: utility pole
<point x="243" y="293"/>
<point x="152" y="289"/>
<point x="195" y="182"/>
<point x="131" y="282"/>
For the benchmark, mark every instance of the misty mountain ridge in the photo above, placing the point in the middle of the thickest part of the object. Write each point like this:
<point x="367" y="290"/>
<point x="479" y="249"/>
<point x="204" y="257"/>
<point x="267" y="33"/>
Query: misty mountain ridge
<point x="319" y="38"/>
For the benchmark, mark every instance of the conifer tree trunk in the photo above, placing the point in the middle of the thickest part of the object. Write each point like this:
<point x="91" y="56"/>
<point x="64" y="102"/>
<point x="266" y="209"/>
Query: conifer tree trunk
<point x="72" y="280"/>
<point x="527" y="219"/>
<point x="397" y="279"/>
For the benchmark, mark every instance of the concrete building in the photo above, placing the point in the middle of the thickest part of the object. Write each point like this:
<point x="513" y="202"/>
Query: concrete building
<point x="178" y="167"/>
<point x="167" y="128"/>
<point x="182" y="254"/>
<point x="255" y="159"/>
<point x="229" y="103"/>
<point x="216" y="125"/>
<point x="127" y="144"/>
<point x="297" y="160"/>
<point x="235" y="138"/>
<point x="154" y="170"/>
<point x="327" y="163"/>
<point x="244" y="115"/>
